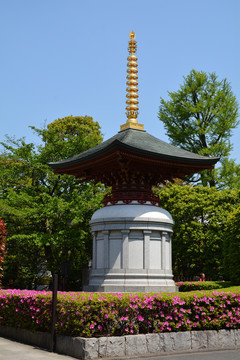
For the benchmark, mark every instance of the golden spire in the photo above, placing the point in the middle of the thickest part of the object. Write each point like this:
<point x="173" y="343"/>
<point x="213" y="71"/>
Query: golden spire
<point x="132" y="87"/>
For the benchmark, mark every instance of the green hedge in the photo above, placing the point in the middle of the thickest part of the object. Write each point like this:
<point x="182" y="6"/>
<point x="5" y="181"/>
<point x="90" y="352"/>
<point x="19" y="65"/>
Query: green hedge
<point x="101" y="314"/>
<point x="205" y="285"/>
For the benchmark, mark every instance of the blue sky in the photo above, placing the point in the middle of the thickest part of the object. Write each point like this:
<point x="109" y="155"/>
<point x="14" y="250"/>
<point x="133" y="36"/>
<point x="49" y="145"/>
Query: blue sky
<point x="68" y="57"/>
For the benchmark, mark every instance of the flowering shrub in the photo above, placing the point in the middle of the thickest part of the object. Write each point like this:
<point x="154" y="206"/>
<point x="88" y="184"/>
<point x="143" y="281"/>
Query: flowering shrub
<point x="3" y="234"/>
<point x="101" y="314"/>
<point x="198" y="285"/>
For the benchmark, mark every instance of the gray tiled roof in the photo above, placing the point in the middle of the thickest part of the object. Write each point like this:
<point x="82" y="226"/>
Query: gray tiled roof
<point x="139" y="142"/>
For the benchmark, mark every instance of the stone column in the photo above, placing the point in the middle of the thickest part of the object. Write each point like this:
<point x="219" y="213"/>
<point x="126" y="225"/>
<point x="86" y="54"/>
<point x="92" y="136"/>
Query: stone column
<point x="164" y="235"/>
<point x="170" y="251"/>
<point x="94" y="264"/>
<point x="106" y="251"/>
<point x="124" y="258"/>
<point x="146" y="248"/>
<point x="167" y="252"/>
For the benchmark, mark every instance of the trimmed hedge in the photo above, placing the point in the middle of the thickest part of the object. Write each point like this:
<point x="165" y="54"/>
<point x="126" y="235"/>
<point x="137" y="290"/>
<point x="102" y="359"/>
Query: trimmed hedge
<point x="204" y="285"/>
<point x="101" y="314"/>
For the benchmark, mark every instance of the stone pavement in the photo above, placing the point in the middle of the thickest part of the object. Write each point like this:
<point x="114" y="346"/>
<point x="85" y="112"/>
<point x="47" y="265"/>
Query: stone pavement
<point x="233" y="354"/>
<point x="12" y="350"/>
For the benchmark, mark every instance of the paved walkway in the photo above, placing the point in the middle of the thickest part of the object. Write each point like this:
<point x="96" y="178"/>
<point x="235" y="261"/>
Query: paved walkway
<point x="204" y="355"/>
<point x="12" y="350"/>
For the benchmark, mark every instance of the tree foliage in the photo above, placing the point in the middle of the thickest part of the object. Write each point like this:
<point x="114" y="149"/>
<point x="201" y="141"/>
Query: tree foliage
<point x="229" y="175"/>
<point x="67" y="137"/>
<point x="232" y="247"/>
<point x="48" y="215"/>
<point x="200" y="215"/>
<point x="3" y="234"/>
<point x="200" y="117"/>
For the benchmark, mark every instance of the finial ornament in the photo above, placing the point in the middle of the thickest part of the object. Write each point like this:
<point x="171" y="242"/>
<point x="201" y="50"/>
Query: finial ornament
<point x="132" y="87"/>
<point x="132" y="35"/>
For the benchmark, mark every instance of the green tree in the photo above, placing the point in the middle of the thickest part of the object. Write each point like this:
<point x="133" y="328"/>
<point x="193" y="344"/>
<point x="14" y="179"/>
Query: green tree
<point x="67" y="137"/>
<point x="47" y="213"/>
<point x="232" y="247"/>
<point x="200" y="215"/>
<point x="3" y="234"/>
<point x="229" y="174"/>
<point x="200" y="117"/>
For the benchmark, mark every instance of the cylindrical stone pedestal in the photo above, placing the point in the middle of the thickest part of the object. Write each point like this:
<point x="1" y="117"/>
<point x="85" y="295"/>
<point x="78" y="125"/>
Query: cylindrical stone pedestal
<point x="132" y="249"/>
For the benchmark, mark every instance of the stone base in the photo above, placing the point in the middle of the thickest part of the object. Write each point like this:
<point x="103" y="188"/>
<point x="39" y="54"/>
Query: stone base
<point x="131" y="289"/>
<point x="131" y="280"/>
<point x="132" y="250"/>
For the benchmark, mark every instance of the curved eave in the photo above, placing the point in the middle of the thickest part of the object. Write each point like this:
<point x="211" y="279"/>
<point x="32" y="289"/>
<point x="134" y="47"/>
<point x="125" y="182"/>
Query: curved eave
<point x="88" y="157"/>
<point x="165" y="168"/>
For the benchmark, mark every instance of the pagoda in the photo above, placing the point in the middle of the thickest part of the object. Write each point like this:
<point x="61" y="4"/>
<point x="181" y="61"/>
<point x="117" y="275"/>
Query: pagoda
<point x="132" y="234"/>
